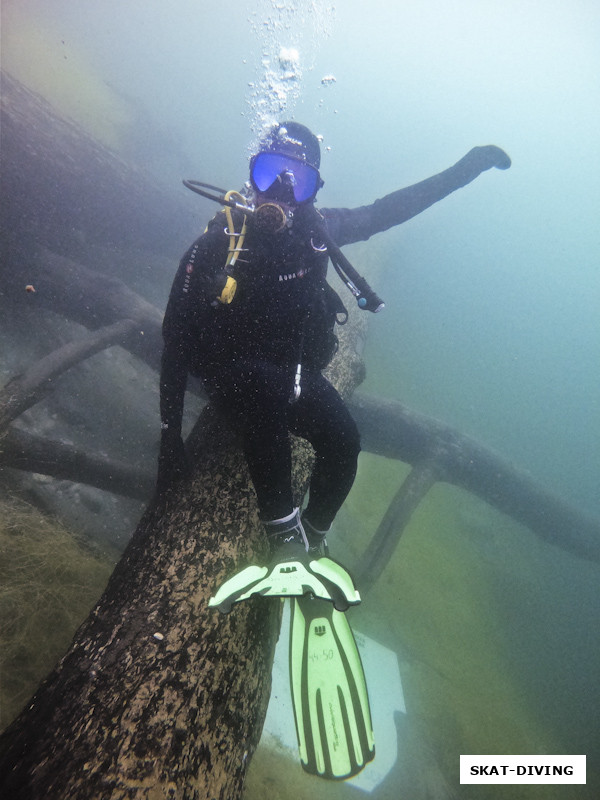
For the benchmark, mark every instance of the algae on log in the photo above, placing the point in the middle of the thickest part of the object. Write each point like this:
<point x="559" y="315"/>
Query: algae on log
<point x="159" y="696"/>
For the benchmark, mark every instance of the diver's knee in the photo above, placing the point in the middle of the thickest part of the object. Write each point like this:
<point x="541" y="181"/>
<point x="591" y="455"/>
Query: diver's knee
<point x="349" y="442"/>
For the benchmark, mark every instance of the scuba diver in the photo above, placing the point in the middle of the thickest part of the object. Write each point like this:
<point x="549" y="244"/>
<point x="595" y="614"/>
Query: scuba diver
<point x="252" y="315"/>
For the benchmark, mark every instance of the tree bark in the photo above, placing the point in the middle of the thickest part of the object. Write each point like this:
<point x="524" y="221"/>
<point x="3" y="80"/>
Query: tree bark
<point x="159" y="696"/>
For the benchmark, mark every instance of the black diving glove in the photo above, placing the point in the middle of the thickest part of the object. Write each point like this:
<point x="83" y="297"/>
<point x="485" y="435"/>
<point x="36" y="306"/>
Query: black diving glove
<point x="172" y="461"/>
<point x="488" y="156"/>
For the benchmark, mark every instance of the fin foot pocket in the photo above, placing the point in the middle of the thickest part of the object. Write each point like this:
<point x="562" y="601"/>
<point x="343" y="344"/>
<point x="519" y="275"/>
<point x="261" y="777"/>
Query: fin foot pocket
<point x="298" y="575"/>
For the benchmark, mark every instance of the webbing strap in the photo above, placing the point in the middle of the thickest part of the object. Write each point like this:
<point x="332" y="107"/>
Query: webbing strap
<point x="236" y="241"/>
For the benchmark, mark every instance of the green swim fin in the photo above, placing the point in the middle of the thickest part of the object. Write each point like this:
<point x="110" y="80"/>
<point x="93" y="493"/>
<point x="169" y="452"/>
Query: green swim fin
<point x="329" y="692"/>
<point x="300" y="574"/>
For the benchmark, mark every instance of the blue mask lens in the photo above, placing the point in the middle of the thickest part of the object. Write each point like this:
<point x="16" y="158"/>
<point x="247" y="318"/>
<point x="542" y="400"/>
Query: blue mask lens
<point x="267" y="168"/>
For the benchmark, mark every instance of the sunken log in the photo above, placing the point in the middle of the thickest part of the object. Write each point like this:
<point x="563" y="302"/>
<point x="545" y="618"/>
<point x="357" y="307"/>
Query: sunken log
<point x="83" y="295"/>
<point x="70" y="193"/>
<point x="159" y="696"/>
<point x="28" y="388"/>
<point x="387" y="427"/>
<point x="30" y="453"/>
<point x="438" y="451"/>
<point x="414" y="440"/>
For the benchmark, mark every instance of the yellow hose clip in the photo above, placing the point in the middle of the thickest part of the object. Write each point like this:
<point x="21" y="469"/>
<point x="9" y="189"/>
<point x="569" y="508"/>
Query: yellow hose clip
<point x="228" y="292"/>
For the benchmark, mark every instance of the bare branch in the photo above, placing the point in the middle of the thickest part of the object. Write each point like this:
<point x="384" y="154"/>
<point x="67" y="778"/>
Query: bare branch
<point x="390" y="429"/>
<point x="387" y="536"/>
<point x="24" y="451"/>
<point x="28" y="388"/>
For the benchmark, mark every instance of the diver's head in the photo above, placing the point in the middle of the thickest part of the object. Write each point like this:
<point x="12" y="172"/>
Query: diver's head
<point x="293" y="139"/>
<point x="285" y="171"/>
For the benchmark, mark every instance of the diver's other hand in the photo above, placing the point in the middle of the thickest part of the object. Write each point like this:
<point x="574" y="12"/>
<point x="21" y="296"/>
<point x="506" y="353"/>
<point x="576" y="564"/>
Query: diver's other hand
<point x="172" y="462"/>
<point x="489" y="156"/>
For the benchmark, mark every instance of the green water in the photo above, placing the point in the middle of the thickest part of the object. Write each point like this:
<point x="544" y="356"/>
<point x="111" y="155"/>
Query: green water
<point x="492" y="298"/>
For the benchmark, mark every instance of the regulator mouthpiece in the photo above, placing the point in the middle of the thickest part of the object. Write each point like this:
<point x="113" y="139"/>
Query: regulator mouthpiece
<point x="270" y="218"/>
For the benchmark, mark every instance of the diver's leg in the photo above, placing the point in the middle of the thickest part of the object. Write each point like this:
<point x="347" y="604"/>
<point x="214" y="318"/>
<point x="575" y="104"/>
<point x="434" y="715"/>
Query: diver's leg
<point x="292" y="571"/>
<point x="254" y="397"/>
<point x="321" y="416"/>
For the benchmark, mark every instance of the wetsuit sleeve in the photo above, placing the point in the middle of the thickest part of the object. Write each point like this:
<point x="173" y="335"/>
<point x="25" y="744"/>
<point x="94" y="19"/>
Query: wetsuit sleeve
<point x="174" y="362"/>
<point x="186" y="311"/>
<point x="173" y="382"/>
<point x="358" y="224"/>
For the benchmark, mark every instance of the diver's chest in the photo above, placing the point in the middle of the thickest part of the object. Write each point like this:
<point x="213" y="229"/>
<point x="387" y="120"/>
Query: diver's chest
<point x="285" y="271"/>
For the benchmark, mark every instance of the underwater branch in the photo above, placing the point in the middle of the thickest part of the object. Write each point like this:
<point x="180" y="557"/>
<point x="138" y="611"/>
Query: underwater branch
<point x="438" y="452"/>
<point x="32" y="385"/>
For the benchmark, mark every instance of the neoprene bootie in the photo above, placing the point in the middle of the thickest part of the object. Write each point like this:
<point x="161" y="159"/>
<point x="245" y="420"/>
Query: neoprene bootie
<point x="317" y="540"/>
<point x="286" y="536"/>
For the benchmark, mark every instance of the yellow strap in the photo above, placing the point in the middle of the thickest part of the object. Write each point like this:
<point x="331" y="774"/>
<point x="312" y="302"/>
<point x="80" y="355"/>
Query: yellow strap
<point x="236" y="241"/>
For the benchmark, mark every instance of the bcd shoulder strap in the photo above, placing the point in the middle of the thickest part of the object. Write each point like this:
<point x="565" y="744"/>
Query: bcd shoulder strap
<point x="236" y="246"/>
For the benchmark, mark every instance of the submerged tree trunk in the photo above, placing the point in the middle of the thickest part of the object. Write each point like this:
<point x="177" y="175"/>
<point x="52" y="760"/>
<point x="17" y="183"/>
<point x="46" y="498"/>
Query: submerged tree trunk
<point x="85" y="296"/>
<point x="34" y="383"/>
<point x="25" y="451"/>
<point x="68" y="192"/>
<point x="159" y="696"/>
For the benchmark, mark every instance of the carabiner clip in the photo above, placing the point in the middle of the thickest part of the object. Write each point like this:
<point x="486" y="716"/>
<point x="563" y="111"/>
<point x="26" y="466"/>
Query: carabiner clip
<point x="297" y="388"/>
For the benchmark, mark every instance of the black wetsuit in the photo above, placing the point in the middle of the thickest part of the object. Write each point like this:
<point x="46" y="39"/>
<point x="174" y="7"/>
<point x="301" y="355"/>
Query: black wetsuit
<point x="246" y="352"/>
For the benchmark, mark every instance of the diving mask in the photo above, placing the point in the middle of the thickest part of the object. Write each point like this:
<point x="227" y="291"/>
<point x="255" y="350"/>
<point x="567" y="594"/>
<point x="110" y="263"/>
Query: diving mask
<point x="269" y="171"/>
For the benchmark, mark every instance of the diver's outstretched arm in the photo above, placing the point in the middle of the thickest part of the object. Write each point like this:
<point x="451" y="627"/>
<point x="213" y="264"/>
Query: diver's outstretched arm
<point x="357" y="224"/>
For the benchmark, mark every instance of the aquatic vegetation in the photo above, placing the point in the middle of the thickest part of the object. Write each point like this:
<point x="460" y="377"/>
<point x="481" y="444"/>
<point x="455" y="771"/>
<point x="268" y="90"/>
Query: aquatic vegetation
<point x="49" y="580"/>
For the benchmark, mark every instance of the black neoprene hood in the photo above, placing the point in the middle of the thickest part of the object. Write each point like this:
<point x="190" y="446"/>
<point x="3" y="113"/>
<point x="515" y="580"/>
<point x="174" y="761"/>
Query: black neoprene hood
<point x="293" y="139"/>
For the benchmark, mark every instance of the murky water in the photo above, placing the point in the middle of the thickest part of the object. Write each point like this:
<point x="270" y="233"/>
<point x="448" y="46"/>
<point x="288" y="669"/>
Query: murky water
<point x="492" y="298"/>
